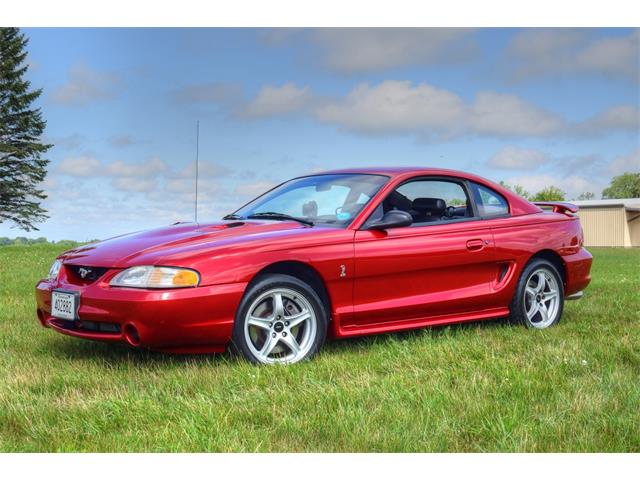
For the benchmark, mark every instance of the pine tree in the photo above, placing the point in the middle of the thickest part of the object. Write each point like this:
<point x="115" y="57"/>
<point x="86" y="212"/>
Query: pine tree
<point x="22" y="167"/>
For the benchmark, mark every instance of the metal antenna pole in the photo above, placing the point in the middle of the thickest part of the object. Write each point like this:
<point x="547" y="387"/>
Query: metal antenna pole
<point x="197" y="158"/>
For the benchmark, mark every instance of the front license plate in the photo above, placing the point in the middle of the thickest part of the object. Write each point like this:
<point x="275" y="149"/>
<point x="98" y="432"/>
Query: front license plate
<point x="64" y="304"/>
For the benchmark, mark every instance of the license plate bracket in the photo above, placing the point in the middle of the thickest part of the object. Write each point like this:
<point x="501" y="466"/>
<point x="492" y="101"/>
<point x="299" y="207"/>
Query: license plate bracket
<point x="65" y="304"/>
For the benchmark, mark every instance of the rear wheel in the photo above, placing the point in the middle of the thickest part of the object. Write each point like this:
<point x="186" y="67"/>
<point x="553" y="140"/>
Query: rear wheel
<point x="539" y="298"/>
<point x="280" y="320"/>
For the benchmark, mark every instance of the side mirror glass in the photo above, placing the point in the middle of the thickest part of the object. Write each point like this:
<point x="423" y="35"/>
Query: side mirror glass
<point x="392" y="219"/>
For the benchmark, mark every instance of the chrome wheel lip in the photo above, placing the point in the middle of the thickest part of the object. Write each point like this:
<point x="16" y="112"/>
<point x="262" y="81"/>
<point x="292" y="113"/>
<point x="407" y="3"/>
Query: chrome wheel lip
<point x="296" y="333"/>
<point x="541" y="298"/>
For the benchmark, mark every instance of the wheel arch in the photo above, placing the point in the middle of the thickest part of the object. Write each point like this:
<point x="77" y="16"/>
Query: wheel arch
<point x="303" y="272"/>
<point x="555" y="259"/>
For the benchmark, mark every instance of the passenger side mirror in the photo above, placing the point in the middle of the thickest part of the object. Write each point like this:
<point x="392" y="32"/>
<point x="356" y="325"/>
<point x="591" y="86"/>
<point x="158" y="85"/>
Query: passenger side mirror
<point x="392" y="219"/>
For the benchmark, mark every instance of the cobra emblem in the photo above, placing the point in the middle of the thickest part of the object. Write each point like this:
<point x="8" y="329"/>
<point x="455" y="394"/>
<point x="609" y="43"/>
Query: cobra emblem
<point x="343" y="270"/>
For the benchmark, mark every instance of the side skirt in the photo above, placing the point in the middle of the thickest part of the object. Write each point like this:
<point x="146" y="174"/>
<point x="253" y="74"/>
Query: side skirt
<point x="399" y="325"/>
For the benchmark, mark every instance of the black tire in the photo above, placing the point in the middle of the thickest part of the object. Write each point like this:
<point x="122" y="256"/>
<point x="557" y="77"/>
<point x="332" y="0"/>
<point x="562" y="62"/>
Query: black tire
<point x="261" y="286"/>
<point x="522" y="301"/>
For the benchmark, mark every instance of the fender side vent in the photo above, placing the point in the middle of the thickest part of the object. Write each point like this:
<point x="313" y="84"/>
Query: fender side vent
<point x="504" y="268"/>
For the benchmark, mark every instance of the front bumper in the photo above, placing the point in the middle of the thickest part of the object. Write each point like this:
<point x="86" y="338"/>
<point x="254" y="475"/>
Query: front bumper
<point x="189" y="320"/>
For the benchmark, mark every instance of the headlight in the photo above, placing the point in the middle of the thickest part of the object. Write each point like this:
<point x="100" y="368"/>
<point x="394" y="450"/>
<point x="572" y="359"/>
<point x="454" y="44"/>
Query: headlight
<point x="54" y="270"/>
<point x="156" y="277"/>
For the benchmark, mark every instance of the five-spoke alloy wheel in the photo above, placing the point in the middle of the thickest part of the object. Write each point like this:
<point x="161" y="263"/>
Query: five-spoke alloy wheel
<point x="281" y="320"/>
<point x="542" y="298"/>
<point x="539" y="298"/>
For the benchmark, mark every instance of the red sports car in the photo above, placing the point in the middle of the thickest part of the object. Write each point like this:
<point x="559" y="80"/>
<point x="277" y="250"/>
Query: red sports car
<point x="339" y="254"/>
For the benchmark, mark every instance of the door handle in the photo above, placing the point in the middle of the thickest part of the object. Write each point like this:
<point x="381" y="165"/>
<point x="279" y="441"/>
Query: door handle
<point x="475" y="244"/>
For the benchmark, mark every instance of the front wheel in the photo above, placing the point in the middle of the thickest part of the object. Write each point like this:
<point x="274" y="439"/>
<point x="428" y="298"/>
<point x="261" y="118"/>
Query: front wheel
<point x="280" y="320"/>
<point x="539" y="298"/>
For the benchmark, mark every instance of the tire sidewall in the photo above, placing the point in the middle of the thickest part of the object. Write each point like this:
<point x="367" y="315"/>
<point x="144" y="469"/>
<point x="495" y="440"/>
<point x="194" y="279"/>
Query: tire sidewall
<point x="268" y="282"/>
<point x="519" y="305"/>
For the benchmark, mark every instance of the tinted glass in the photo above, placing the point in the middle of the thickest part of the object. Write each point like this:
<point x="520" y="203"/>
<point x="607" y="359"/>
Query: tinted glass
<point x="427" y="201"/>
<point x="323" y="199"/>
<point x="489" y="202"/>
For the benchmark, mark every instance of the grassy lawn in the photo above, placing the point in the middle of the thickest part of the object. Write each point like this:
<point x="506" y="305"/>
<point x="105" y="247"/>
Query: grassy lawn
<point x="478" y="387"/>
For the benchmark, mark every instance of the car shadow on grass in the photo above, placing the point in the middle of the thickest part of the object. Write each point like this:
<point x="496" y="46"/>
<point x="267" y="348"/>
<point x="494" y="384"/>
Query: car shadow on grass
<point x="67" y="348"/>
<point x="434" y="332"/>
<point x="87" y="350"/>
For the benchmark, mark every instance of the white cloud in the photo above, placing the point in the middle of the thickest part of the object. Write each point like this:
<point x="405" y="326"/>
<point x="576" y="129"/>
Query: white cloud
<point x="85" y="86"/>
<point x="185" y="188"/>
<point x="622" y="117"/>
<point x="518" y="158"/>
<point x="400" y="107"/>
<point x="395" y="106"/>
<point x="181" y="185"/>
<point x="134" y="184"/>
<point x="206" y="169"/>
<point x="215" y="92"/>
<point x="367" y="49"/>
<point x="49" y="184"/>
<point x="82" y="166"/>
<point x="121" y="141"/>
<point x="502" y="114"/>
<point x="149" y="168"/>
<point x="152" y="168"/>
<point x="626" y="163"/>
<point x="254" y="189"/>
<point x="589" y="165"/>
<point x="68" y="142"/>
<point x="615" y="55"/>
<point x="556" y="51"/>
<point x="572" y="185"/>
<point x="277" y="100"/>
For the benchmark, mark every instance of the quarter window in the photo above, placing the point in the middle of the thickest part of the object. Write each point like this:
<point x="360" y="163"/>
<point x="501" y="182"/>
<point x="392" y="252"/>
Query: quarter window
<point x="489" y="202"/>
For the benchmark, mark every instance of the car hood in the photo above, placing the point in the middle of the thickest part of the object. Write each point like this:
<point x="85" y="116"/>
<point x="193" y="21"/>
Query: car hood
<point x="171" y="245"/>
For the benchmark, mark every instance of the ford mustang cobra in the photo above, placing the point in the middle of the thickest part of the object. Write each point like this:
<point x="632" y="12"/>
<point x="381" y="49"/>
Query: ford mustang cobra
<point x="337" y="254"/>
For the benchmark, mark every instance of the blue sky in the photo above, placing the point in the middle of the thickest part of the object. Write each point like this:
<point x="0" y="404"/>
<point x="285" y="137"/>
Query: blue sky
<point x="533" y="107"/>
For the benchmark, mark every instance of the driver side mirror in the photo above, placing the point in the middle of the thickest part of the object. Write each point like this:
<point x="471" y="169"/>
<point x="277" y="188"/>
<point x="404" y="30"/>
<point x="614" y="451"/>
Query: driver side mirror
<point x="392" y="219"/>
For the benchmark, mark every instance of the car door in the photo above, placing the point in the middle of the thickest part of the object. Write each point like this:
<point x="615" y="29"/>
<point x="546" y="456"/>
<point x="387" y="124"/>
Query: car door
<point x="439" y="266"/>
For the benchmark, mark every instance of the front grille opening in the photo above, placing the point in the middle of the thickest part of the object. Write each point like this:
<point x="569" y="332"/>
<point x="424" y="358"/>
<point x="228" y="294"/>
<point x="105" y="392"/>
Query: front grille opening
<point x="85" y="274"/>
<point x="90" y="327"/>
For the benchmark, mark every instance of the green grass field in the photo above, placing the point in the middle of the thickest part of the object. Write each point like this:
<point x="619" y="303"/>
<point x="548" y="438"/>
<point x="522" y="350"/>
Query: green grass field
<point x="477" y="387"/>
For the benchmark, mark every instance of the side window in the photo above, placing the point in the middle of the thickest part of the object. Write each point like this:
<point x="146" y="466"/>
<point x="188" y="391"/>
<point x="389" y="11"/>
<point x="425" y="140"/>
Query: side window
<point x="489" y="202"/>
<point x="428" y="201"/>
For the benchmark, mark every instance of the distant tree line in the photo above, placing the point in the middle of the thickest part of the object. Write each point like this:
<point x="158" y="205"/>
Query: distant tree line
<point x="626" y="185"/>
<point x="40" y="241"/>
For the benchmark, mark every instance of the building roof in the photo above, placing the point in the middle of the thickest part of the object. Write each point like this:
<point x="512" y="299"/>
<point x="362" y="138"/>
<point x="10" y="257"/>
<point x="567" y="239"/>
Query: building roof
<point x="631" y="204"/>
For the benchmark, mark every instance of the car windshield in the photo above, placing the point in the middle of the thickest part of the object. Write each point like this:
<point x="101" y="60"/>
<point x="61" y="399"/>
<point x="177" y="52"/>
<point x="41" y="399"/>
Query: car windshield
<point x="317" y="199"/>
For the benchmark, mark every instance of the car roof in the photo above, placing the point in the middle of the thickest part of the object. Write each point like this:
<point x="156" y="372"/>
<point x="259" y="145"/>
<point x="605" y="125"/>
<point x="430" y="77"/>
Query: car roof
<point x="396" y="171"/>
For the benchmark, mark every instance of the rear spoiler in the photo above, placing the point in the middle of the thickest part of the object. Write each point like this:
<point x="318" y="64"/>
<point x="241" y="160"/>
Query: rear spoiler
<point x="559" y="207"/>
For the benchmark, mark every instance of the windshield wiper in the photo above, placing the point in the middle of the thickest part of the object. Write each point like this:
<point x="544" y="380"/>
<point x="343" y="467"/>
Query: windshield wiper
<point x="280" y="216"/>
<point x="233" y="216"/>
